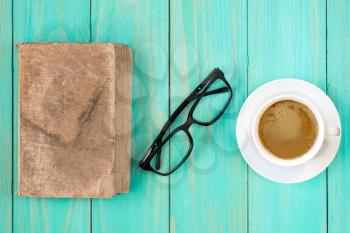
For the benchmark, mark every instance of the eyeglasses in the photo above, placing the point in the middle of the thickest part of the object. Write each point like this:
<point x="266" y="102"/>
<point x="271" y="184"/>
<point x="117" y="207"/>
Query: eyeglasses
<point x="211" y="99"/>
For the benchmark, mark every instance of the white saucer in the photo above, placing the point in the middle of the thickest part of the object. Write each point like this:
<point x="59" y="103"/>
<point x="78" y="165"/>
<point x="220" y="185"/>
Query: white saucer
<point x="275" y="172"/>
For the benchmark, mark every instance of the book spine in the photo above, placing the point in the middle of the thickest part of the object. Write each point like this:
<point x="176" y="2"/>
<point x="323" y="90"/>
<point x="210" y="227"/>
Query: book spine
<point x="123" y="63"/>
<point x="19" y="187"/>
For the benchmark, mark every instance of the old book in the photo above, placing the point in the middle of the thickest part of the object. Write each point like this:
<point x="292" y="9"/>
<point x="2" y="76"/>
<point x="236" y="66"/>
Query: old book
<point x="74" y="119"/>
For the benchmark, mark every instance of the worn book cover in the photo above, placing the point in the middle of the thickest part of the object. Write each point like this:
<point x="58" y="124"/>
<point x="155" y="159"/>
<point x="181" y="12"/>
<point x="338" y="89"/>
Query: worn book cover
<point x="74" y="122"/>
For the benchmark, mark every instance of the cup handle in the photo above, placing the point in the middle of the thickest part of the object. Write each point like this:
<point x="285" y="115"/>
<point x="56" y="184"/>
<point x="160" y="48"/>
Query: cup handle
<point x="332" y="131"/>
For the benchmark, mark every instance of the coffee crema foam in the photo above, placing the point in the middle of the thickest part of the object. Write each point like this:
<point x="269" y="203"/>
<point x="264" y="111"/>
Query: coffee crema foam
<point x="288" y="129"/>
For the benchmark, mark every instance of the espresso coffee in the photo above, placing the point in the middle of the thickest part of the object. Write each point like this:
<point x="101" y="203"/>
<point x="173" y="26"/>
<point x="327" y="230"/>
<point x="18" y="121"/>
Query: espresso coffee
<point x="288" y="129"/>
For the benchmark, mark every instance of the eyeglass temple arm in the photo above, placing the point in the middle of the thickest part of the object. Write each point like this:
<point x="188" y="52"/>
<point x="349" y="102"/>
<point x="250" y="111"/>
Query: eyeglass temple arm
<point x="189" y="99"/>
<point x="212" y="92"/>
<point x="193" y="96"/>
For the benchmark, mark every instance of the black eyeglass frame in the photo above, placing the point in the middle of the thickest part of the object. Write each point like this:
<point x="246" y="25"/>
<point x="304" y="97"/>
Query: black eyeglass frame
<point x="197" y="94"/>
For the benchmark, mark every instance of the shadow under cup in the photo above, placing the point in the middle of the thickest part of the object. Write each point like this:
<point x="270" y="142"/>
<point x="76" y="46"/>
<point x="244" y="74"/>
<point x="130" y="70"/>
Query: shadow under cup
<point x="288" y="130"/>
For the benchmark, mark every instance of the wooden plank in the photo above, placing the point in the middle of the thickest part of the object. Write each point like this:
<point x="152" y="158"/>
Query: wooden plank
<point x="142" y="25"/>
<point x="52" y="21"/>
<point x="287" y="39"/>
<point x="338" y="73"/>
<point x="6" y="116"/>
<point x="208" y="193"/>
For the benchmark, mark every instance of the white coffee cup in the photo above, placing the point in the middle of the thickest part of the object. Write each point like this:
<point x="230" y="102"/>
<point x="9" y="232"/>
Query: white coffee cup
<point x="323" y="131"/>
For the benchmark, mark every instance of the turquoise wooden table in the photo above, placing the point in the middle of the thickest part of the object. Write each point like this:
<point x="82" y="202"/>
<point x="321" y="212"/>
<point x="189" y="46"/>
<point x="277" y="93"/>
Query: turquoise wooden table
<point x="175" y="44"/>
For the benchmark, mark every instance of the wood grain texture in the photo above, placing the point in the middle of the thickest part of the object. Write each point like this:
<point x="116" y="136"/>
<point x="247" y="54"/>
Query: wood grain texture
<point x="338" y="73"/>
<point x="5" y="116"/>
<point x="208" y="193"/>
<point x="142" y="25"/>
<point x="49" y="21"/>
<point x="287" y="39"/>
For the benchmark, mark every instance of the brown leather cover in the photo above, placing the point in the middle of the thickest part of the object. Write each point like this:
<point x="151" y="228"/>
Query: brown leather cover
<point x="74" y="120"/>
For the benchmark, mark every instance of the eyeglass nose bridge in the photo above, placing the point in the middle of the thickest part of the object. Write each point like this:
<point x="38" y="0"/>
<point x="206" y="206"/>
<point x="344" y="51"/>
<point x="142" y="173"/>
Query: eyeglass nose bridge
<point x="185" y="126"/>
